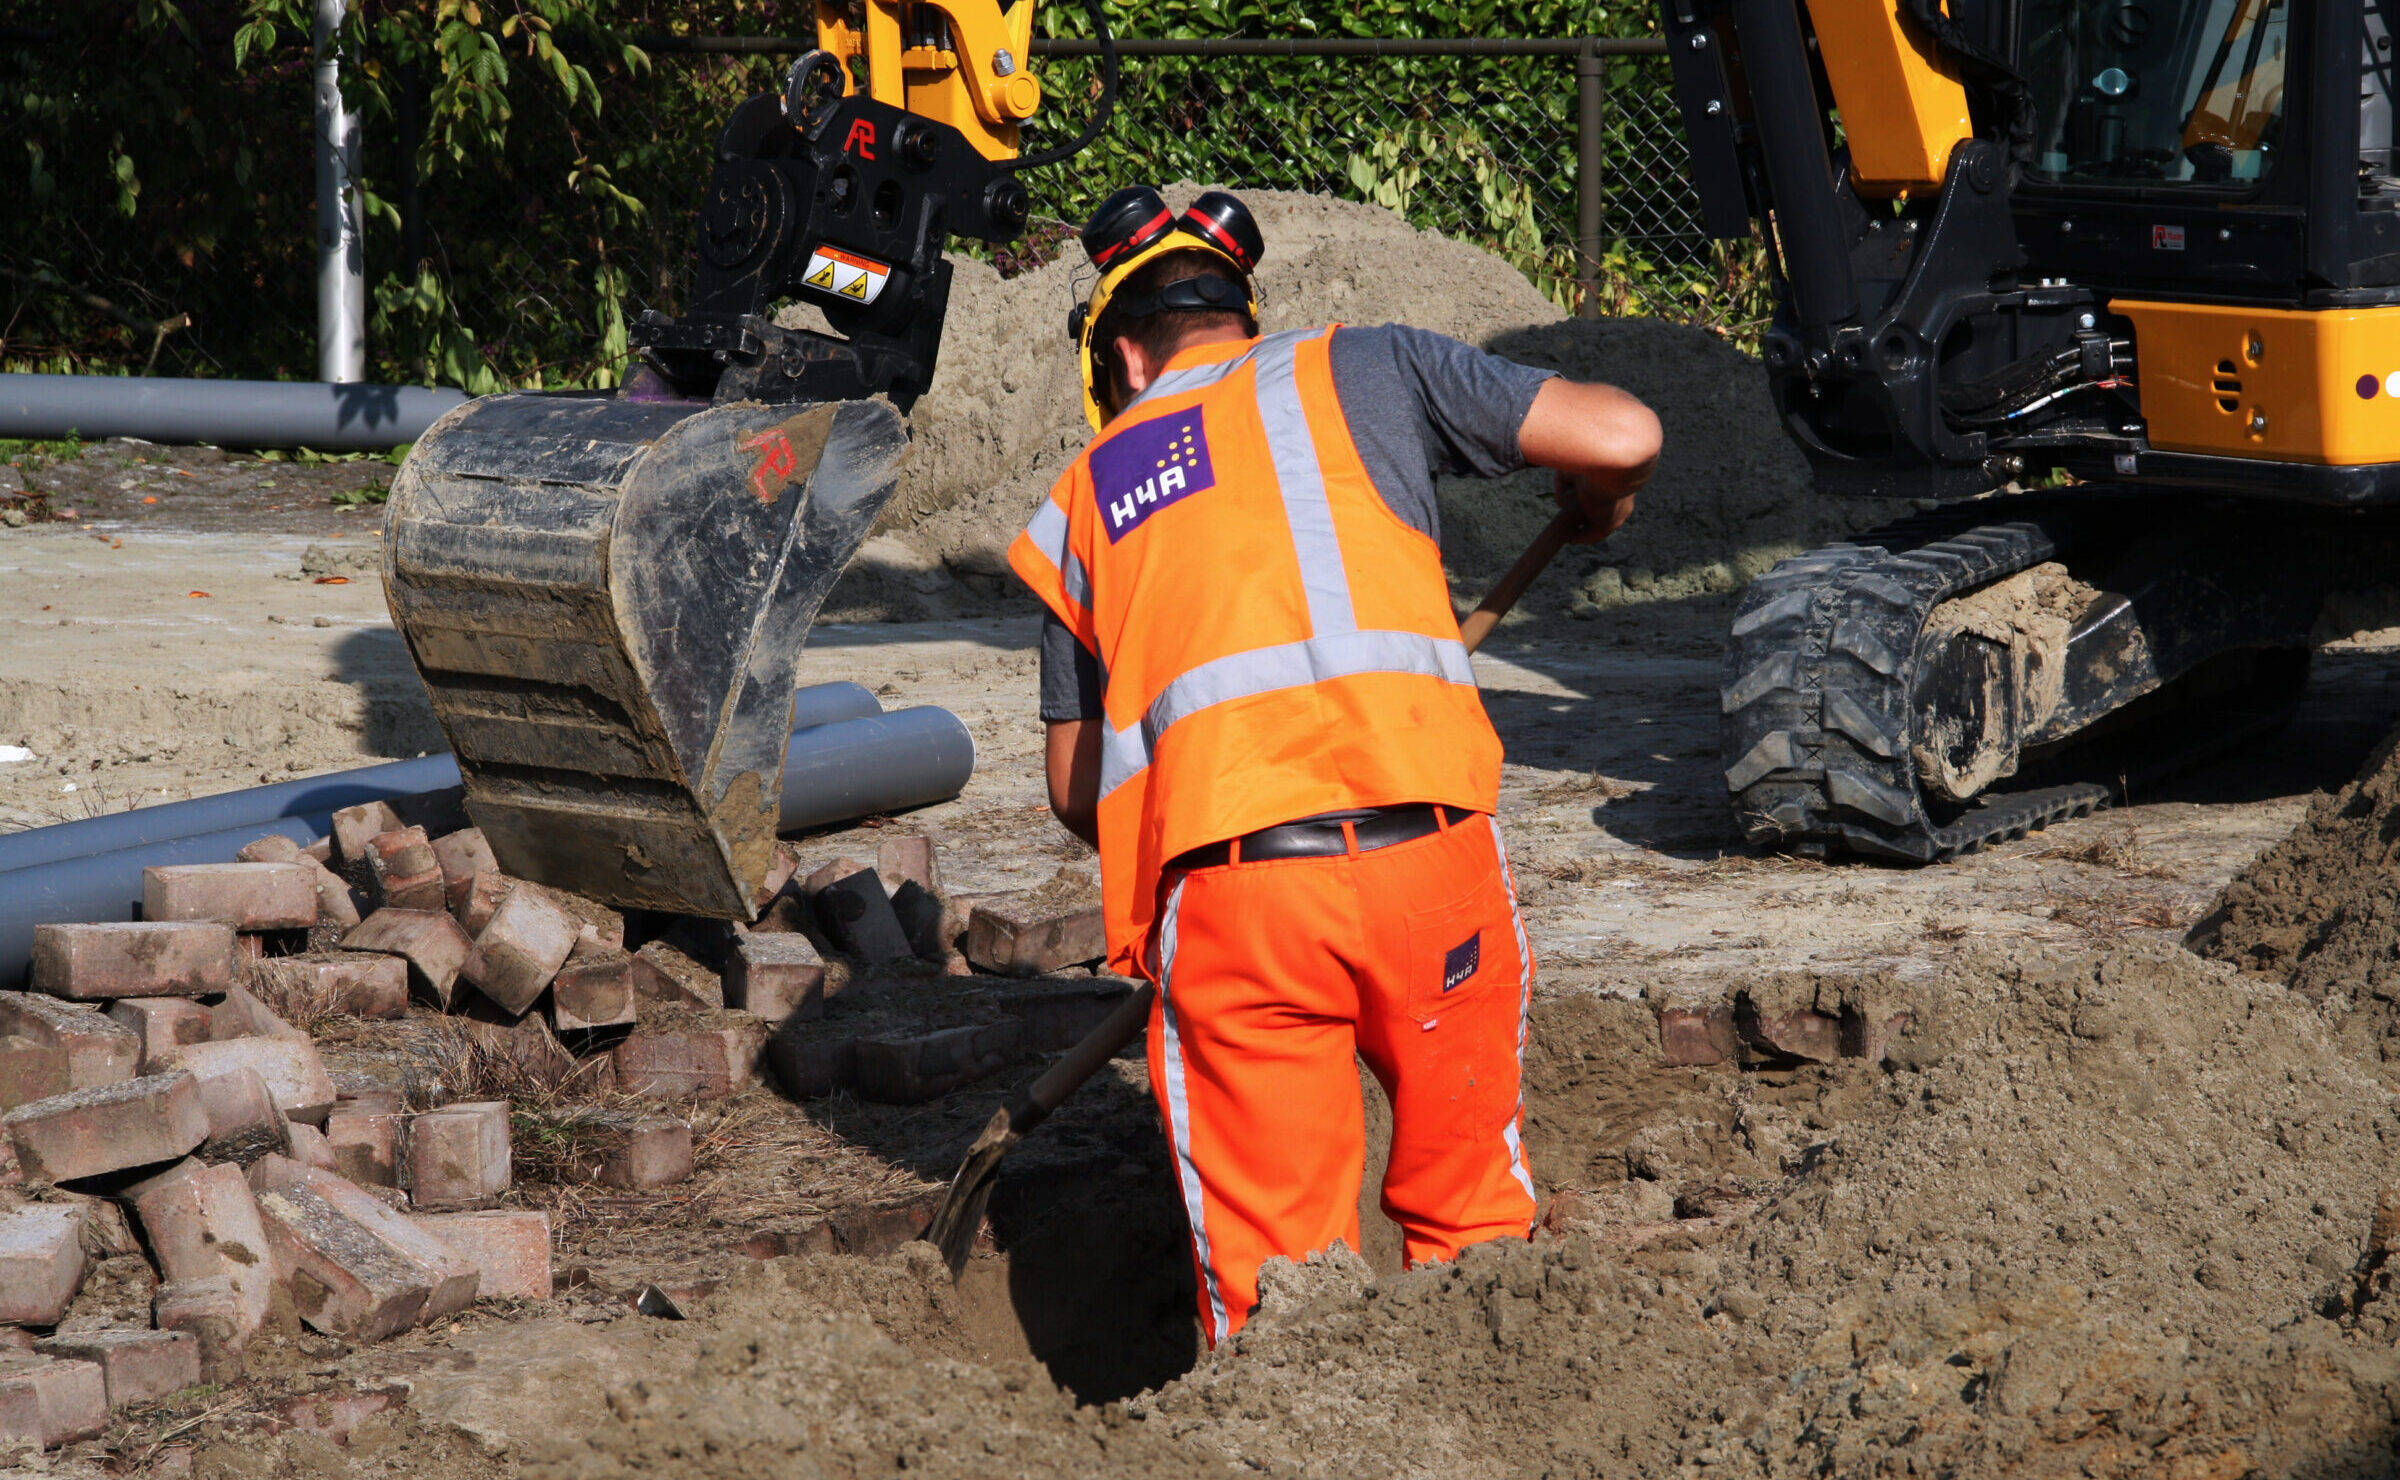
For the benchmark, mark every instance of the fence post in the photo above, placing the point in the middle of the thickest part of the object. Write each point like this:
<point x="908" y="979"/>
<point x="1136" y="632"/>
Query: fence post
<point x="1591" y="89"/>
<point x="341" y="253"/>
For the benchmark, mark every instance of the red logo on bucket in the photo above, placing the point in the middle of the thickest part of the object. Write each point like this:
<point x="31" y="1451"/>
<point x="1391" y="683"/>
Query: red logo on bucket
<point x="776" y="462"/>
<point x="2166" y="238"/>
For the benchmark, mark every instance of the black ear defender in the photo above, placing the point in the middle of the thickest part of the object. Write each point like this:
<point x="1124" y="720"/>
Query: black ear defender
<point x="1126" y="222"/>
<point x="1226" y="224"/>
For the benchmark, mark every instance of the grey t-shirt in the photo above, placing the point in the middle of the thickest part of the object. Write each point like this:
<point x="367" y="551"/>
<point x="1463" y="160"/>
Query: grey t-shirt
<point x="1420" y="405"/>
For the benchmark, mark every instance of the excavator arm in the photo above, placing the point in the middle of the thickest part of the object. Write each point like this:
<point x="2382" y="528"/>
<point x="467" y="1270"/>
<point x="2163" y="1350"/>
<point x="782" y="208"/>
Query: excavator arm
<point x="606" y="593"/>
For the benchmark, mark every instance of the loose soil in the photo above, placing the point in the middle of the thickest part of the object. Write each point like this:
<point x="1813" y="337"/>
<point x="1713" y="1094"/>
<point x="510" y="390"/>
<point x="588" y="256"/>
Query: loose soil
<point x="2107" y="1209"/>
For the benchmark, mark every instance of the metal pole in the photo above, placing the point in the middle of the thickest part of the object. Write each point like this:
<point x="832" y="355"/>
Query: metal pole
<point x="1591" y="95"/>
<point x="341" y="252"/>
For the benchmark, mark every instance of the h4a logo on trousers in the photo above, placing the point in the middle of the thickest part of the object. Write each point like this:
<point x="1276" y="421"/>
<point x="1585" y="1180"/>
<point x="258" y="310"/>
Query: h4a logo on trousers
<point x="1146" y="467"/>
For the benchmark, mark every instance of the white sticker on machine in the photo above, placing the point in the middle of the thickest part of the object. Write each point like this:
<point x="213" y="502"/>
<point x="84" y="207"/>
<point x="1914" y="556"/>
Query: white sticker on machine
<point x="845" y="274"/>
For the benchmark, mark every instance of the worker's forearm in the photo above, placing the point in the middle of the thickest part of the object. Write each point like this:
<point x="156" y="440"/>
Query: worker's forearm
<point x="1071" y="763"/>
<point x="1596" y="432"/>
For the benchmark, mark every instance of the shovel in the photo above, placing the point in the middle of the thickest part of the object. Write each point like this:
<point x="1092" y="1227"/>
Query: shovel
<point x="954" y="1227"/>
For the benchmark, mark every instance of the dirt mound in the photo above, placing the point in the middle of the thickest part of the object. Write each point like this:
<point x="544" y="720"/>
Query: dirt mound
<point x="2097" y="1216"/>
<point x="2321" y="910"/>
<point x="1005" y="417"/>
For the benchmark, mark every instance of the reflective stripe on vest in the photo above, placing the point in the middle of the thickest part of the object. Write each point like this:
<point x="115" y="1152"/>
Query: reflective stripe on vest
<point x="1048" y="532"/>
<point x="1126" y="753"/>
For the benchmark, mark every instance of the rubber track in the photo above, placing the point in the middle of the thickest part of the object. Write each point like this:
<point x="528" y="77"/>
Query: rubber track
<point x="1819" y="678"/>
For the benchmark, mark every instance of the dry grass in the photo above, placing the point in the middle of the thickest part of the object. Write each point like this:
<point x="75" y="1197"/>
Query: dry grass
<point x="2110" y="915"/>
<point x="2121" y="849"/>
<point x="305" y="1005"/>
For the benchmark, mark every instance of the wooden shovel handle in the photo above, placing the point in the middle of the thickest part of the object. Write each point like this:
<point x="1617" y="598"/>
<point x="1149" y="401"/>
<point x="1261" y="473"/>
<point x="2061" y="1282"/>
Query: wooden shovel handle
<point x="1555" y="536"/>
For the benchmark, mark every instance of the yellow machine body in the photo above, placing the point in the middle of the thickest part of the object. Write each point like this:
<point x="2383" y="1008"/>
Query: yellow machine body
<point x="1902" y="111"/>
<point x="965" y="63"/>
<point x="2286" y="385"/>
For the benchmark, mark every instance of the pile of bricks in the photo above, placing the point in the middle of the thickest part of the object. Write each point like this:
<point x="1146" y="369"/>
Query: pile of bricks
<point x="162" y="1124"/>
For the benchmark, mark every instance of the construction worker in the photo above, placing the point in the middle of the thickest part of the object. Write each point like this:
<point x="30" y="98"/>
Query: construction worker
<point x="1260" y="712"/>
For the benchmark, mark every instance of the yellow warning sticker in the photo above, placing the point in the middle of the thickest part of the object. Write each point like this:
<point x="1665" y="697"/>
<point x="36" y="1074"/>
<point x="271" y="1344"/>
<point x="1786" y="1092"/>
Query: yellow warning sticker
<point x="846" y="275"/>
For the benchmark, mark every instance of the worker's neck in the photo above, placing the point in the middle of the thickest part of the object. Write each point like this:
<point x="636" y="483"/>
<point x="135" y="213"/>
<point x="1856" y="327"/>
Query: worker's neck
<point x="1140" y="372"/>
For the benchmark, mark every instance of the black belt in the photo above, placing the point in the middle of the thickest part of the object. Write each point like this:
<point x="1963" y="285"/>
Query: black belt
<point x="1326" y="837"/>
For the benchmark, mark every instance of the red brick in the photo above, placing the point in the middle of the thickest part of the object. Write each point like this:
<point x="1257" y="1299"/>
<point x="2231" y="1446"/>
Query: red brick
<point x="592" y="991"/>
<point x="108" y="1128"/>
<point x="246" y="896"/>
<point x="522" y="947"/>
<point x="908" y="859"/>
<point x="204" y="1230"/>
<point x="356" y="1267"/>
<point x="365" y="1144"/>
<point x="163" y="1024"/>
<point x="1695" y="1037"/>
<point x="909" y="1071"/>
<point x="618" y="1148"/>
<point x="858" y="915"/>
<point x="321" y="850"/>
<point x="458" y="1156"/>
<point x="461" y="856"/>
<point x="243" y="1123"/>
<point x="662" y="973"/>
<point x="211" y="1312"/>
<point x="473" y="909"/>
<point x="42" y="1263"/>
<point x="403" y="873"/>
<point x="829" y="874"/>
<point x="239" y="1014"/>
<point x="273" y="848"/>
<point x="1028" y="940"/>
<point x="810" y="1065"/>
<point x="356" y="983"/>
<point x="99" y="1049"/>
<point x="311" y="1149"/>
<point x="336" y="904"/>
<point x="776" y="977"/>
<point x="99" y="963"/>
<point x="431" y="942"/>
<point x="138" y="1366"/>
<point x="698" y="1063"/>
<point x="30" y="1071"/>
<point x="295" y="1076"/>
<point x="781" y="865"/>
<point x="354" y="826"/>
<point x="49" y="1401"/>
<point x="599" y="928"/>
<point x="510" y="1250"/>
<point x="1799" y="1034"/>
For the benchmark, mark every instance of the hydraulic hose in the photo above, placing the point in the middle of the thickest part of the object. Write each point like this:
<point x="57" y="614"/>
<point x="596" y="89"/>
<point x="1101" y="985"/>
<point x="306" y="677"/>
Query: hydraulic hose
<point x="1100" y="115"/>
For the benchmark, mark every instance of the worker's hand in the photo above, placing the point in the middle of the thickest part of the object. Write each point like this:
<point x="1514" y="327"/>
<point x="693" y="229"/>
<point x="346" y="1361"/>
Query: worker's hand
<point x="1605" y="510"/>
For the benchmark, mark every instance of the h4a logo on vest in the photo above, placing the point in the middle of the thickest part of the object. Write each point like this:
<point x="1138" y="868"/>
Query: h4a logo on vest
<point x="1144" y="468"/>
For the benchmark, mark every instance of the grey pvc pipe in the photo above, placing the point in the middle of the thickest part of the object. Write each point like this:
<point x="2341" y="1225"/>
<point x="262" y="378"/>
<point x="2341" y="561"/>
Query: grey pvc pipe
<point x="227" y="413"/>
<point x="845" y="768"/>
<point x="318" y="797"/>
<point x="889" y="763"/>
<point x="257" y="807"/>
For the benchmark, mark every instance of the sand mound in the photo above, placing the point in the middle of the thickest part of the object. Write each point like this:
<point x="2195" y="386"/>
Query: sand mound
<point x="2100" y="1216"/>
<point x="1005" y="417"/>
<point x="2321" y="910"/>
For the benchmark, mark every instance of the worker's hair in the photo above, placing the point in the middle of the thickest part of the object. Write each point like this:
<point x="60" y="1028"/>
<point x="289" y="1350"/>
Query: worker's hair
<point x="1161" y="334"/>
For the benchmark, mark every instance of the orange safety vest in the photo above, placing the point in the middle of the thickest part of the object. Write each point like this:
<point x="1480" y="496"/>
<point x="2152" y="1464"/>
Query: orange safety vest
<point x="1278" y="643"/>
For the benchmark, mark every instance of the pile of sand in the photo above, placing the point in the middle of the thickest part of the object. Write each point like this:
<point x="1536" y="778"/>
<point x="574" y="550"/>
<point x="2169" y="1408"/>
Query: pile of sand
<point x="2098" y="1216"/>
<point x="1005" y="417"/>
<point x="2321" y="911"/>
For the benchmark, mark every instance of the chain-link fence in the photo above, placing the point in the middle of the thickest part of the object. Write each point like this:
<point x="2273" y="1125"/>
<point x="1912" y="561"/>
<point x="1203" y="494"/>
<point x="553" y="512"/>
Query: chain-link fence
<point x="528" y="271"/>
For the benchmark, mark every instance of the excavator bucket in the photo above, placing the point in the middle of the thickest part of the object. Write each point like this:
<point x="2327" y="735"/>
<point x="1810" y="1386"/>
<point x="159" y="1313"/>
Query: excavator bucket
<point x="606" y="599"/>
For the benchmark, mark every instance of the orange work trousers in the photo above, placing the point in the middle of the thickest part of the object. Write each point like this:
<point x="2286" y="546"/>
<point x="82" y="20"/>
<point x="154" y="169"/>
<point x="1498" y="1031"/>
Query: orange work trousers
<point x="1271" y="975"/>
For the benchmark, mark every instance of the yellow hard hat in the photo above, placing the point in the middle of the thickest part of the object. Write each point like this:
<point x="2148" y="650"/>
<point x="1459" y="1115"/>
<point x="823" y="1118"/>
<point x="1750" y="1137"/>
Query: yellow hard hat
<point x="1134" y="228"/>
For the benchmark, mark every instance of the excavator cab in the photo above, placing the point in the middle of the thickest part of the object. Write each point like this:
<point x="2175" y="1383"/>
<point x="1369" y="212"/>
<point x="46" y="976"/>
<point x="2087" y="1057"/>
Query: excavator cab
<point x="606" y="593"/>
<point x="2109" y="291"/>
